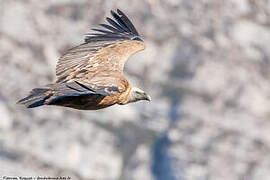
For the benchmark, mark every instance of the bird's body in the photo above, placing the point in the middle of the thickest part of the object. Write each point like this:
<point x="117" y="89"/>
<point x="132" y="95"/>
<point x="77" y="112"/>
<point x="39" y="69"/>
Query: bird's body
<point x="87" y="101"/>
<point x="90" y="76"/>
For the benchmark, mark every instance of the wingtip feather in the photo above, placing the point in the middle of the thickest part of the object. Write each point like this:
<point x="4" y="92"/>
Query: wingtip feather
<point x="120" y="27"/>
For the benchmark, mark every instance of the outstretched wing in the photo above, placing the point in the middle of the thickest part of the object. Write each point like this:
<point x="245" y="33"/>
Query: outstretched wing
<point x="103" y="54"/>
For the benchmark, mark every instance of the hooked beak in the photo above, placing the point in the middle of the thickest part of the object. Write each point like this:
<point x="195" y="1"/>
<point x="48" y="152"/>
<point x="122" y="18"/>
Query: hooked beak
<point x="147" y="98"/>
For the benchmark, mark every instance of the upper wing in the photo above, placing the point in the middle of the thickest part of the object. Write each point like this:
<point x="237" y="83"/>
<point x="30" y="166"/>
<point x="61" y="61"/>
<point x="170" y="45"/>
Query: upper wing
<point x="103" y="54"/>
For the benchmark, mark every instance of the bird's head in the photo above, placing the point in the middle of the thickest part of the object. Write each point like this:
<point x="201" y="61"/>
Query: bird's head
<point x="136" y="94"/>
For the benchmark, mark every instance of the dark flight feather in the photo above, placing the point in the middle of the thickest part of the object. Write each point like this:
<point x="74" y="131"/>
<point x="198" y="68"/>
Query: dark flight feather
<point x="120" y="27"/>
<point x="120" y="21"/>
<point x="112" y="28"/>
<point x="37" y="97"/>
<point x="128" y="22"/>
<point x="116" y="25"/>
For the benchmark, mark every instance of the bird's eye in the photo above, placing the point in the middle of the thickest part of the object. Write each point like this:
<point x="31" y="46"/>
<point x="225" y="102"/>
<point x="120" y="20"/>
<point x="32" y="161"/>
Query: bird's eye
<point x="137" y="39"/>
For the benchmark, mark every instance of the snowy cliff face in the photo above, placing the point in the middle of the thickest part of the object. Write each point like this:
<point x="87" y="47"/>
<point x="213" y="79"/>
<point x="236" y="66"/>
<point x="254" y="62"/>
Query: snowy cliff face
<point x="206" y="67"/>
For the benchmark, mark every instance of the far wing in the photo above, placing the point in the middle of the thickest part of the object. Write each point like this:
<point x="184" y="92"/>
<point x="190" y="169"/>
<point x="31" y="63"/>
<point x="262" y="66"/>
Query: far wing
<point x="76" y="89"/>
<point x="102" y="52"/>
<point x="63" y="90"/>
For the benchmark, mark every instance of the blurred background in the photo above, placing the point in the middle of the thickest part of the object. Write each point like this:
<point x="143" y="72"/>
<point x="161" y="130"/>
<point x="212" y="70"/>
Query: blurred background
<point x="206" y="67"/>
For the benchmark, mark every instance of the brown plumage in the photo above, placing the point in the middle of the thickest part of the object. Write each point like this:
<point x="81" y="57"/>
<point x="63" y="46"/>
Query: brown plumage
<point x="90" y="76"/>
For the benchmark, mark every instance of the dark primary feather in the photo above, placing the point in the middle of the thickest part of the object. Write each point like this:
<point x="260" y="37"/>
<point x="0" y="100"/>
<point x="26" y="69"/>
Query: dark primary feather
<point x="120" y="21"/>
<point x="116" y="25"/>
<point x="37" y="97"/>
<point x="119" y="28"/>
<point x="112" y="28"/>
<point x="128" y="22"/>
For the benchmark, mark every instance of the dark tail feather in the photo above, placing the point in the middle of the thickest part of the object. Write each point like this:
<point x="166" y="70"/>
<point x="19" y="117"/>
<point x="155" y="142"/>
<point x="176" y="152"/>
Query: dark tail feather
<point x="36" y="98"/>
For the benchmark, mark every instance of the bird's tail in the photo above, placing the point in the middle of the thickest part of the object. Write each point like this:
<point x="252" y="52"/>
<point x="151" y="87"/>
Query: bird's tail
<point x="37" y="97"/>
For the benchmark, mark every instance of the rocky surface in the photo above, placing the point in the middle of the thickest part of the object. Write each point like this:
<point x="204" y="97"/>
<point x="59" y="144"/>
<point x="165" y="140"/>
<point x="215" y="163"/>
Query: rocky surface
<point x="206" y="67"/>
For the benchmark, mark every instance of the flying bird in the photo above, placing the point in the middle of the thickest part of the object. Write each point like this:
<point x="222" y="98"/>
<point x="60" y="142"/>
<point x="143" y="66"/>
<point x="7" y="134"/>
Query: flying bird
<point x="90" y="76"/>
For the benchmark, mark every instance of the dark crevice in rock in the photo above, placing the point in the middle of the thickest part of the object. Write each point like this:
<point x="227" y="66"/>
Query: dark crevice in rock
<point x="162" y="162"/>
